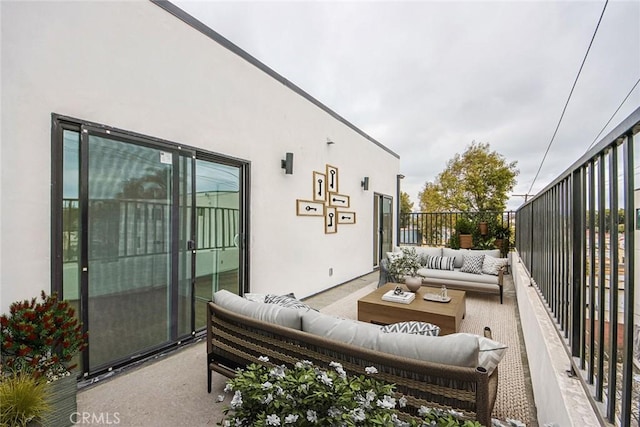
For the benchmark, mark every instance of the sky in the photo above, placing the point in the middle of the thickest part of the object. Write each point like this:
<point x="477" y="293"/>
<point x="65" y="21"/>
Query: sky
<point x="427" y="78"/>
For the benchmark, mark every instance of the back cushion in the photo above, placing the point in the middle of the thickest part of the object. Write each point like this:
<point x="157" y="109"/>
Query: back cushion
<point x="455" y="349"/>
<point x="271" y="313"/>
<point x="344" y="330"/>
<point x="458" y="254"/>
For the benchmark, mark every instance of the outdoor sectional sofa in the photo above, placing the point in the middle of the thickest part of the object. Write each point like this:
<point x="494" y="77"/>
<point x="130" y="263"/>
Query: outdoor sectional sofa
<point x="454" y="278"/>
<point x="457" y="371"/>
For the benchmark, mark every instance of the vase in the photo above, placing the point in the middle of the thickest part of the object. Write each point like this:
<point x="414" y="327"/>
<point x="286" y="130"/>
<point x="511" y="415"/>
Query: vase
<point x="62" y="400"/>
<point x="413" y="283"/>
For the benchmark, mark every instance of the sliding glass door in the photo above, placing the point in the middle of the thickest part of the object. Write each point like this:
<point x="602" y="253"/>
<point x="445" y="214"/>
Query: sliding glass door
<point x="146" y="232"/>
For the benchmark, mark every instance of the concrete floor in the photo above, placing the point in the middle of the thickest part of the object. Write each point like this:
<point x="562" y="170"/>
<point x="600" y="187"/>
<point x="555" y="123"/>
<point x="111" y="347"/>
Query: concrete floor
<point x="171" y="389"/>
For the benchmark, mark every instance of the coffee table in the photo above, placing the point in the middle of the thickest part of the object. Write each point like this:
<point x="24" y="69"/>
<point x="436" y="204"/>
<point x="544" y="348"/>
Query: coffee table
<point x="371" y="308"/>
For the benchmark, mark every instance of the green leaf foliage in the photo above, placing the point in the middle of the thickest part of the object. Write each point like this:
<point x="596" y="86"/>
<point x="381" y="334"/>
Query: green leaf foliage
<point x="477" y="180"/>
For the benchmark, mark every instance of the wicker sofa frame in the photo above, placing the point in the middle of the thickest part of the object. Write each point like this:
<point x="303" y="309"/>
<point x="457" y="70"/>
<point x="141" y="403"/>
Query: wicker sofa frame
<point x="235" y="341"/>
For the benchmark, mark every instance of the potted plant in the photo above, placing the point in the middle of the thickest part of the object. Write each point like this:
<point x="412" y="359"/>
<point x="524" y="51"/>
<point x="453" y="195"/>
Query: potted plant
<point x="464" y="228"/>
<point x="23" y="398"/>
<point x="42" y="338"/>
<point x="306" y="395"/>
<point x="502" y="234"/>
<point x="404" y="267"/>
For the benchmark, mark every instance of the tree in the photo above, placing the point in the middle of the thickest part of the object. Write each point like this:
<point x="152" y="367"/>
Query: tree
<point x="478" y="180"/>
<point x="406" y="205"/>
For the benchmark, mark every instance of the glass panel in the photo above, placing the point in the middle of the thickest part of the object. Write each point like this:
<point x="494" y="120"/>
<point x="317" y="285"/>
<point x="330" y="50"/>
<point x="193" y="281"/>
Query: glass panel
<point x="185" y="256"/>
<point x="71" y="223"/>
<point x="377" y="256"/>
<point x="218" y="228"/>
<point x="71" y="218"/>
<point x="387" y="224"/>
<point x="129" y="259"/>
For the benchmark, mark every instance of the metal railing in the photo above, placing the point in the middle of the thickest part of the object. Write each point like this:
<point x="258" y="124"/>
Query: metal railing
<point x="576" y="238"/>
<point x="437" y="228"/>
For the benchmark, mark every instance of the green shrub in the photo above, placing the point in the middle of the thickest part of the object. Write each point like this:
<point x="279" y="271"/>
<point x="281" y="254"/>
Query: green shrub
<point x="23" y="398"/>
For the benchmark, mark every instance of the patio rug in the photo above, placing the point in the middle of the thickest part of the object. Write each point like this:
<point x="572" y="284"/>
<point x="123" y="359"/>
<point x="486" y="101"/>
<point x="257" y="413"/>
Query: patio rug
<point x="513" y="400"/>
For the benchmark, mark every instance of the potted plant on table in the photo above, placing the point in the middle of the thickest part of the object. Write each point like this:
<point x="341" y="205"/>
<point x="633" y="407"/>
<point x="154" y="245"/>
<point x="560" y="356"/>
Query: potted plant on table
<point x="404" y="266"/>
<point x="41" y="339"/>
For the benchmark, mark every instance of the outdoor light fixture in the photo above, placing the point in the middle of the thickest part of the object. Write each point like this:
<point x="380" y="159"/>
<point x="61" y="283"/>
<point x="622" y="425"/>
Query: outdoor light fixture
<point x="365" y="183"/>
<point x="287" y="164"/>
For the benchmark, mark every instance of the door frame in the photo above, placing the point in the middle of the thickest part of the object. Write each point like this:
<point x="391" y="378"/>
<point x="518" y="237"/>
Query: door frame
<point x="60" y="123"/>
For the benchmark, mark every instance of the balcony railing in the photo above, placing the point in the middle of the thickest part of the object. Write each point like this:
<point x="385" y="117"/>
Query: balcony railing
<point x="577" y="239"/>
<point x="437" y="228"/>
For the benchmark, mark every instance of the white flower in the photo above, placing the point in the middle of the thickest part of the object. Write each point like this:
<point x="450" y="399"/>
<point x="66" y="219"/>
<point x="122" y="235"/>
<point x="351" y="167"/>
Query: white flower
<point x="277" y="372"/>
<point x="371" y="395"/>
<point x="339" y="369"/>
<point x="239" y="422"/>
<point x="220" y="397"/>
<point x="266" y="385"/>
<point x="387" y="402"/>
<point x="226" y="423"/>
<point x="397" y="422"/>
<point x="371" y="370"/>
<point x="291" y="418"/>
<point x="236" y="402"/>
<point x="312" y="416"/>
<point x="228" y="388"/>
<point x="424" y="411"/>
<point x="325" y="379"/>
<point x="279" y="390"/>
<point x="273" y="420"/>
<point x="334" y="412"/>
<point x="358" y="414"/>
<point x="455" y="413"/>
<point x="263" y="358"/>
<point x="402" y="402"/>
<point x="267" y="399"/>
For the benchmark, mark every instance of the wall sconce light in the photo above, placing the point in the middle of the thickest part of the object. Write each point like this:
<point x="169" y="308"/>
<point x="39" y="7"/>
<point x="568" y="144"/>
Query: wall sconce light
<point x="365" y="183"/>
<point x="329" y="141"/>
<point x="287" y="164"/>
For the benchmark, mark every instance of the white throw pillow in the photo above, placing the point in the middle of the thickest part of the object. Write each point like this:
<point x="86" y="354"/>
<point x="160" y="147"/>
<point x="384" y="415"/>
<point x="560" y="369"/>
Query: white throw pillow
<point x="490" y="352"/>
<point x="472" y="264"/>
<point x="492" y="265"/>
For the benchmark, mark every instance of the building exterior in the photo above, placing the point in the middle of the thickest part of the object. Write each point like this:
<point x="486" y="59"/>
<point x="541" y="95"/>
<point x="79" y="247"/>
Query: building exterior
<point x="144" y="166"/>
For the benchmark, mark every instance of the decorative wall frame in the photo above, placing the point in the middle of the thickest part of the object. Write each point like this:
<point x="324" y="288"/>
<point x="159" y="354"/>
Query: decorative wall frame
<point x="345" y="217"/>
<point x="339" y="200"/>
<point x="309" y="208"/>
<point x="319" y="186"/>
<point x="332" y="179"/>
<point x="330" y="221"/>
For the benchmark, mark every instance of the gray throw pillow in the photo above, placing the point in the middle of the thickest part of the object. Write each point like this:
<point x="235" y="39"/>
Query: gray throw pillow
<point x="285" y="301"/>
<point x="472" y="264"/>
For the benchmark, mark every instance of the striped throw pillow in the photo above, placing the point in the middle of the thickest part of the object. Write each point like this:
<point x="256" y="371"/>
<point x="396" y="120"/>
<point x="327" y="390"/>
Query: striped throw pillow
<point x="439" y="262"/>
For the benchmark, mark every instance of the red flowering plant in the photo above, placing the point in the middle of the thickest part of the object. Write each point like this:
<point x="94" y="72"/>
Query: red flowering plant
<point x="41" y="337"/>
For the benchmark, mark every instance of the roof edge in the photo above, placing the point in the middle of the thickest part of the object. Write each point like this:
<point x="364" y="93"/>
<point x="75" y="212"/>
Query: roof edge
<point x="218" y="38"/>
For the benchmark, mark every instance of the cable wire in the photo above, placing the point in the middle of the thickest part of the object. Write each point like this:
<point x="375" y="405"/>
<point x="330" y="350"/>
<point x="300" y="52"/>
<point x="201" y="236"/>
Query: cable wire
<point x="614" y="114"/>
<point x="569" y="98"/>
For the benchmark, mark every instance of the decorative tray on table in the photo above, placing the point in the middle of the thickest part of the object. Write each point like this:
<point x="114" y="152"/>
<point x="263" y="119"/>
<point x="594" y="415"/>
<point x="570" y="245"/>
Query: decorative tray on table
<point x="436" y="298"/>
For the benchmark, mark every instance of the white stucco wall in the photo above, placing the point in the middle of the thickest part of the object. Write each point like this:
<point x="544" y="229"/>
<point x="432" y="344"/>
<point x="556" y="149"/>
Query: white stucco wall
<point x="133" y="66"/>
